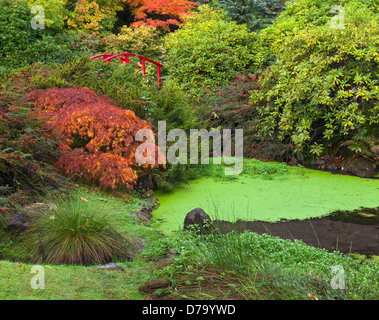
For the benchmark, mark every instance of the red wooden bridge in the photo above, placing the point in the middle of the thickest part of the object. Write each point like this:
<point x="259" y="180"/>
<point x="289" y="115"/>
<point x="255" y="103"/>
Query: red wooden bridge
<point x="124" y="57"/>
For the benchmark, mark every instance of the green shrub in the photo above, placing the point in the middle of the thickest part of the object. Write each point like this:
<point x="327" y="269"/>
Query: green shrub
<point x="174" y="106"/>
<point x="16" y="34"/>
<point x="21" y="45"/>
<point x="323" y="87"/>
<point x="255" y="14"/>
<point x="76" y="232"/>
<point x="55" y="12"/>
<point x="297" y="16"/>
<point x="41" y="82"/>
<point x="208" y="50"/>
<point x="121" y="83"/>
<point x="5" y="74"/>
<point x="91" y="16"/>
<point x="171" y="104"/>
<point x="230" y="108"/>
<point x="144" y="40"/>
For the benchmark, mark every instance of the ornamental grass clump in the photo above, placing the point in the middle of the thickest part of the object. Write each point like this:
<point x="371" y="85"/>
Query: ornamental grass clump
<point x="76" y="231"/>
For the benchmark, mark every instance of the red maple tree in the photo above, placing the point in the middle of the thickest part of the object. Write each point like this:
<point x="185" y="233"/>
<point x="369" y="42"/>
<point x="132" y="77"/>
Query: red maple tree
<point x="160" y="13"/>
<point x="96" y="137"/>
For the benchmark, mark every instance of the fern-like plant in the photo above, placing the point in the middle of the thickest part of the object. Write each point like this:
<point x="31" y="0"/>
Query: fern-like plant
<point x="364" y="145"/>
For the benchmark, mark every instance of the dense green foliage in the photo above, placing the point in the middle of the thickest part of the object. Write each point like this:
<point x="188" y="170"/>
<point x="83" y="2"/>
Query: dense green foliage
<point x="144" y="40"/>
<point x="299" y="77"/>
<point x="15" y="24"/>
<point x="255" y="14"/>
<point x="207" y="50"/>
<point x="231" y="109"/>
<point x="55" y="12"/>
<point x="323" y="86"/>
<point x="297" y="16"/>
<point x="20" y="44"/>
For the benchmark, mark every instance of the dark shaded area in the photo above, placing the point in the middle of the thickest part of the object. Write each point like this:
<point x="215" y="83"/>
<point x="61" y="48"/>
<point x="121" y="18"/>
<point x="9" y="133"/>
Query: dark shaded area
<point x="346" y="231"/>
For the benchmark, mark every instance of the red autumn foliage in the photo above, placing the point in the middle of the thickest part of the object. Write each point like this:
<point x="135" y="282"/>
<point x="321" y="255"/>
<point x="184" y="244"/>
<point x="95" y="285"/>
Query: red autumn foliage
<point x="96" y="137"/>
<point x="160" y="13"/>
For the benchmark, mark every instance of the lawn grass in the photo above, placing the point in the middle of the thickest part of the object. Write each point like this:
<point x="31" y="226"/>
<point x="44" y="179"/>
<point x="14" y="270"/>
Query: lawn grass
<point x="67" y="282"/>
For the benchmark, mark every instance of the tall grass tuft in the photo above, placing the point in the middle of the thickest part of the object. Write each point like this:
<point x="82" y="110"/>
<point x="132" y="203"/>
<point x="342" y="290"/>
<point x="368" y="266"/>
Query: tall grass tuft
<point x="77" y="231"/>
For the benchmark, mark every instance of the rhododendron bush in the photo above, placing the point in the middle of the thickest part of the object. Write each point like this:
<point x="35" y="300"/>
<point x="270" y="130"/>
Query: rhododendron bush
<point x="96" y="137"/>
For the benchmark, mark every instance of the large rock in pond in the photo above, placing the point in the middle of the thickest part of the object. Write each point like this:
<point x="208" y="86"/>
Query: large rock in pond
<point x="361" y="167"/>
<point x="198" y="217"/>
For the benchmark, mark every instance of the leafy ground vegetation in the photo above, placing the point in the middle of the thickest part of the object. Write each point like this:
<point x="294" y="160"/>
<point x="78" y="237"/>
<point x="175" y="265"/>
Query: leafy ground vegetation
<point x="299" y="77"/>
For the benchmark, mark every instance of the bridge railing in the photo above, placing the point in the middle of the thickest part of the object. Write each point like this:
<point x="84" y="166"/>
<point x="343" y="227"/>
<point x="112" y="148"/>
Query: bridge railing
<point x="124" y="58"/>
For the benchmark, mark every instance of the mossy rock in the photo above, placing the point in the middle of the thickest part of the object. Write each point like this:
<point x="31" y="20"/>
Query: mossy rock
<point x="22" y="219"/>
<point x="361" y="167"/>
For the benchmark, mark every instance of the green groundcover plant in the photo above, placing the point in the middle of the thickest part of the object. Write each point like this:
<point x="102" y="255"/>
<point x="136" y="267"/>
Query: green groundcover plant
<point x="268" y="267"/>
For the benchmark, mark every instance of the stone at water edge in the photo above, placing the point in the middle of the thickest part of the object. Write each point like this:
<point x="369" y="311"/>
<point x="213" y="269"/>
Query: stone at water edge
<point x="198" y="217"/>
<point x="145" y="213"/>
<point x="154" y="202"/>
<point x="361" y="167"/>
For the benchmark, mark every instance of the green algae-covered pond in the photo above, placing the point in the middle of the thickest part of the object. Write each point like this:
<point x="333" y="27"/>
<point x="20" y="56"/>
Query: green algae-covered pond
<point x="290" y="193"/>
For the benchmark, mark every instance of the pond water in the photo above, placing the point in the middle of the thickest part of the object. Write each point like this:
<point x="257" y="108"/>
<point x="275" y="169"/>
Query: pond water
<point x="300" y="193"/>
